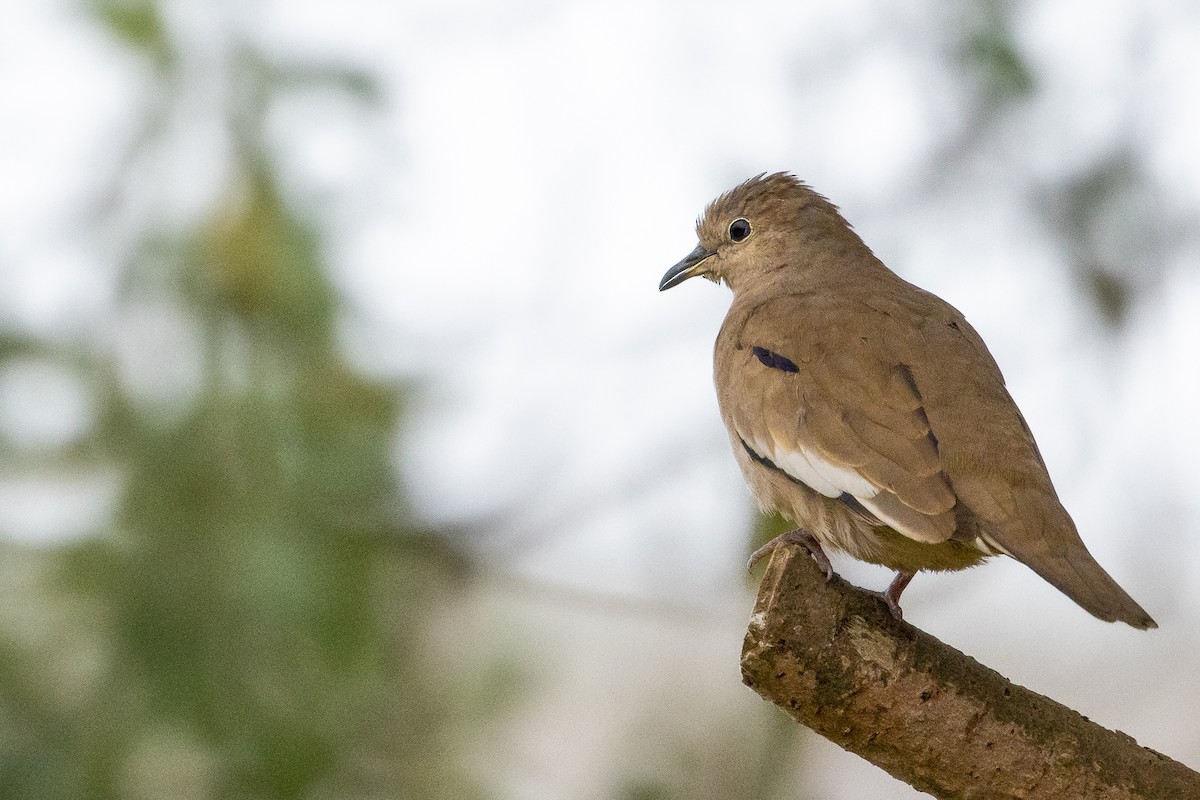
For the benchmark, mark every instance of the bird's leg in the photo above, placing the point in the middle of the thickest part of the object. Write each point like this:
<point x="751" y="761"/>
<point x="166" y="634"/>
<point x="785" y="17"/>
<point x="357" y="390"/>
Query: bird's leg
<point x="891" y="595"/>
<point x="805" y="540"/>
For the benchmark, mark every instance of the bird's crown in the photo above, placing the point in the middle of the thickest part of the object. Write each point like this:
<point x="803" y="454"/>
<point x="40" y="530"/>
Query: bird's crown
<point x="765" y="201"/>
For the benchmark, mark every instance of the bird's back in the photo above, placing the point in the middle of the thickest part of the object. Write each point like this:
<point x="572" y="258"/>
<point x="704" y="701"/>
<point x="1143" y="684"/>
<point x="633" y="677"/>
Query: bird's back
<point x="968" y="477"/>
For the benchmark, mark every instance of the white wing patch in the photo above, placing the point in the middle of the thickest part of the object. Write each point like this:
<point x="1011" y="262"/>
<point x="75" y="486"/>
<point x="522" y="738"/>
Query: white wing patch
<point x="817" y="473"/>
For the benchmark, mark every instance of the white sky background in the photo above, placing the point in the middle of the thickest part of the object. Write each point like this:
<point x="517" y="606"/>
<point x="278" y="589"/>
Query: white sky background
<point x="537" y="167"/>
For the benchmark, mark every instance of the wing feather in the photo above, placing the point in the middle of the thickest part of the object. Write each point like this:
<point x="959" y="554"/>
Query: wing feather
<point x="847" y="421"/>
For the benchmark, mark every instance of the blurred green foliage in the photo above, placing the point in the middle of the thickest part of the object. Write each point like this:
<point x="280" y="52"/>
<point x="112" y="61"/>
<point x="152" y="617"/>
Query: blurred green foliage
<point x="990" y="52"/>
<point x="1115" y="232"/>
<point x="257" y="621"/>
<point x="137" y="23"/>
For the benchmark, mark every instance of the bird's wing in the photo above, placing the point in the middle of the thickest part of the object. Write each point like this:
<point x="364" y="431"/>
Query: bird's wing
<point x="808" y="384"/>
<point x="993" y="463"/>
<point x="985" y="446"/>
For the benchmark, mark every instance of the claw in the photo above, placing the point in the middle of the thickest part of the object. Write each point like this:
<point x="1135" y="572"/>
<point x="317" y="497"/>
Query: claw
<point x="805" y="540"/>
<point x="891" y="595"/>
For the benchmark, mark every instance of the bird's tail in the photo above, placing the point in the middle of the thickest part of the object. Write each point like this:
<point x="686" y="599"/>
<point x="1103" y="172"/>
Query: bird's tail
<point x="1043" y="537"/>
<point x="1082" y="579"/>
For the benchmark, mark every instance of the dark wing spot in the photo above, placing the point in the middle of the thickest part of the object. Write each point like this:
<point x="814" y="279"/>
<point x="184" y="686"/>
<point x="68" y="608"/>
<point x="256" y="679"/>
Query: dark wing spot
<point x="912" y="384"/>
<point x="906" y="373"/>
<point x="766" y="462"/>
<point x="852" y="501"/>
<point x="774" y="360"/>
<point x="756" y="458"/>
<point x="847" y="499"/>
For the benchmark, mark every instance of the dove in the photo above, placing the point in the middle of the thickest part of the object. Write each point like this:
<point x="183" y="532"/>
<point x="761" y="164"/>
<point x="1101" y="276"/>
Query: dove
<point x="868" y="411"/>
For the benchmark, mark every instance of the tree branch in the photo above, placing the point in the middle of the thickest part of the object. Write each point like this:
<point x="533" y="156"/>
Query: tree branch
<point x="834" y="658"/>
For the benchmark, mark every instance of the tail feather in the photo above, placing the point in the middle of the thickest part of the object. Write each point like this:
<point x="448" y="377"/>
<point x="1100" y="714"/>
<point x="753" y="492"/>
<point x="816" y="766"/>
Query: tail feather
<point x="1073" y="571"/>
<point x="1042" y="536"/>
<point x="1082" y="579"/>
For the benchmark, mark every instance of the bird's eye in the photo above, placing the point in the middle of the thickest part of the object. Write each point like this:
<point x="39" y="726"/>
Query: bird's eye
<point x="739" y="229"/>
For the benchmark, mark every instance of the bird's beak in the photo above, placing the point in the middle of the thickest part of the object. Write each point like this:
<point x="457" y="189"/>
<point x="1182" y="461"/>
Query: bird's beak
<point x="692" y="265"/>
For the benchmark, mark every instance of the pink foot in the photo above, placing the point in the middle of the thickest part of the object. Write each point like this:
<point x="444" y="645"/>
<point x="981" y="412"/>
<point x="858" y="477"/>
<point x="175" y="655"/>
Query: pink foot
<point x="891" y="595"/>
<point x="805" y="540"/>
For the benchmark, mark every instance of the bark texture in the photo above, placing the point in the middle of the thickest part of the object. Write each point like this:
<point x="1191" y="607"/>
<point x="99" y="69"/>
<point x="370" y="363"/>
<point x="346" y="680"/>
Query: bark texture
<point x="834" y="658"/>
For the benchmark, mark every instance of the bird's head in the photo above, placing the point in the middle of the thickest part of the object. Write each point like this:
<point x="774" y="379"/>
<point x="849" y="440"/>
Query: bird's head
<point x="759" y="227"/>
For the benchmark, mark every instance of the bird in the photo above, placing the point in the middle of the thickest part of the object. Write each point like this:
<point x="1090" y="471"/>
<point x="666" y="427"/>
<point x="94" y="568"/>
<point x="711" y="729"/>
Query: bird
<point x="868" y="412"/>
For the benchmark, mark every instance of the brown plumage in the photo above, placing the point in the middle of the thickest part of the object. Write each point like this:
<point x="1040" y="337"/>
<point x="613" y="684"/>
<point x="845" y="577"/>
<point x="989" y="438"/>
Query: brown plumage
<point x="868" y="411"/>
